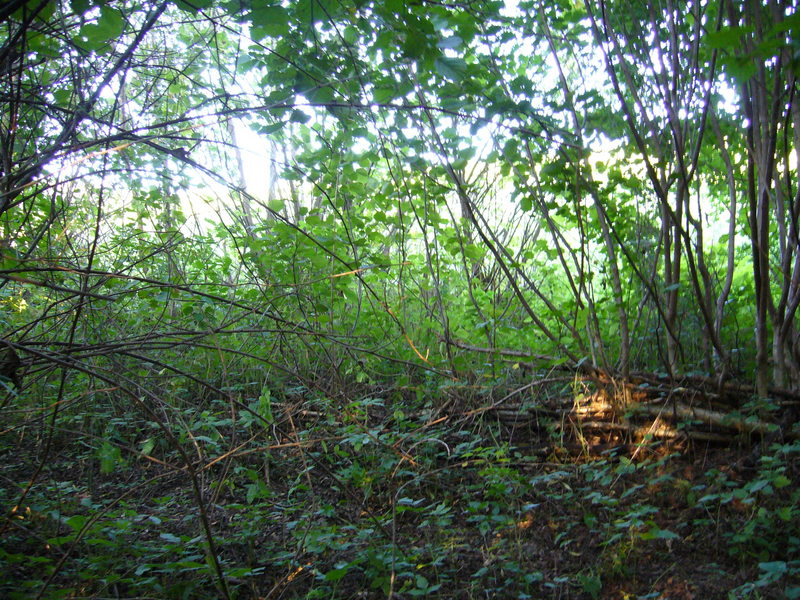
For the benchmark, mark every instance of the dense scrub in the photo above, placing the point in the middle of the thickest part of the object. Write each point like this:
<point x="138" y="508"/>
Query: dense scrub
<point x="338" y="298"/>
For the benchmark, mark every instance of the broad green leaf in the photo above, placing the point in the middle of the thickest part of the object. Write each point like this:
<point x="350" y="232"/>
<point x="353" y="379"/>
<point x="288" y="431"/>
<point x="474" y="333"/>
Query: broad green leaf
<point x="781" y="481"/>
<point x="416" y="44"/>
<point x="741" y="67"/>
<point x="337" y="574"/>
<point x="453" y="69"/>
<point x="100" y="36"/>
<point x="460" y="162"/>
<point x="320" y="94"/>
<point x="43" y="15"/>
<point x="193" y="6"/>
<point x="298" y="116"/>
<point x="110" y="24"/>
<point x="268" y="21"/>
<point x="77" y="522"/>
<point x="80" y="6"/>
<point x="110" y="456"/>
<point x="384" y="94"/>
<point x="727" y="37"/>
<point x="270" y="128"/>
<point x="317" y="11"/>
<point x="450" y="43"/>
<point x="351" y="35"/>
<point x="148" y="445"/>
<point x="656" y="533"/>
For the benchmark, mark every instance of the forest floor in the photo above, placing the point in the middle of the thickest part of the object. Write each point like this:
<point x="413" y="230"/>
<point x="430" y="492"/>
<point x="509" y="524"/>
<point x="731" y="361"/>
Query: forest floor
<point x="389" y="505"/>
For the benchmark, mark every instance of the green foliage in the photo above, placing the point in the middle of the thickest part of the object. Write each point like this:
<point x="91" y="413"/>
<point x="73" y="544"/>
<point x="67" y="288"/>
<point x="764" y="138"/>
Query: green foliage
<point x="270" y="380"/>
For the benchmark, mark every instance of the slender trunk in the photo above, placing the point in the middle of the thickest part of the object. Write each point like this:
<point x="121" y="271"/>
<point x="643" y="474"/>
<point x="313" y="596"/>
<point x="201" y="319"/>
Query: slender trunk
<point x="244" y="199"/>
<point x="724" y="293"/>
<point x="583" y="171"/>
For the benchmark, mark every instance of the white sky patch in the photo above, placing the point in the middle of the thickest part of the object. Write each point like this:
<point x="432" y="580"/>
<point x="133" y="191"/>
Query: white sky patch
<point x="257" y="160"/>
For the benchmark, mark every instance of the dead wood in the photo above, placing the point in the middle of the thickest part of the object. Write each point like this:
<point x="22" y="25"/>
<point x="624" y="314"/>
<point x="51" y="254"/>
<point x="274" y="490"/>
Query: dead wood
<point x="647" y="412"/>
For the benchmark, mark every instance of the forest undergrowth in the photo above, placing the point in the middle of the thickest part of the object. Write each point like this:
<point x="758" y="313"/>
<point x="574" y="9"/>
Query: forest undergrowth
<point x="399" y="494"/>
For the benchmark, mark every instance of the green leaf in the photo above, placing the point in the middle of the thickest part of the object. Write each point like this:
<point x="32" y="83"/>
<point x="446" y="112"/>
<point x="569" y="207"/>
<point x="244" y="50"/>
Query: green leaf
<point x="30" y="5"/>
<point x="383" y="95"/>
<point x="269" y="21"/>
<point x="774" y="570"/>
<point x="416" y="44"/>
<point x="98" y="37"/>
<point x="80" y="6"/>
<point x="190" y="565"/>
<point x="460" y="163"/>
<point x="656" y="533"/>
<point x="270" y="128"/>
<point x="450" y="43"/>
<point x="148" y="445"/>
<point x="317" y="11"/>
<point x="727" y="37"/>
<point x="741" y="67"/>
<point x="350" y="35"/>
<point x="453" y="69"/>
<point x="257" y="490"/>
<point x="298" y="116"/>
<point x="77" y="522"/>
<point x="553" y="169"/>
<point x="109" y="455"/>
<point x="337" y="574"/>
<point x="110" y="24"/>
<point x="193" y="6"/>
<point x="265" y="406"/>
<point x="320" y="95"/>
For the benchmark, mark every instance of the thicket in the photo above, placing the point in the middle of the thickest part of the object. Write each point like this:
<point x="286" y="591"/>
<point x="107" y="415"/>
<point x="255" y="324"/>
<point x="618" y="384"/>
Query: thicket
<point x="322" y="297"/>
